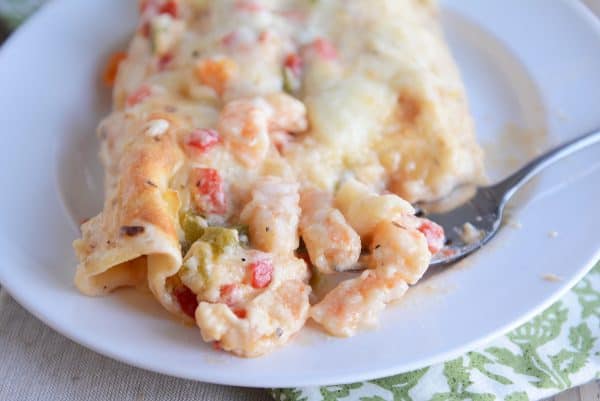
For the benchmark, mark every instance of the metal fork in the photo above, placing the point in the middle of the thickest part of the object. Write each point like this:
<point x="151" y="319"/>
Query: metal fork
<point x="486" y="208"/>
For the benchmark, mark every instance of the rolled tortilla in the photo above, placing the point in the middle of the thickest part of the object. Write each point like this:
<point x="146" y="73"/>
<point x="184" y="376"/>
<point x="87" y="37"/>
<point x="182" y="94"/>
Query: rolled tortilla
<point x="134" y="238"/>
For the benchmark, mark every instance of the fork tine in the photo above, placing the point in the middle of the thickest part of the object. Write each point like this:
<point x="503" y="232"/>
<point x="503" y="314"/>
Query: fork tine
<point x="481" y="211"/>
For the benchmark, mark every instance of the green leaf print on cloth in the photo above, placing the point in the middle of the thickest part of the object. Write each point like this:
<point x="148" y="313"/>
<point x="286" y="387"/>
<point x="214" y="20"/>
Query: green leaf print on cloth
<point x="336" y="393"/>
<point x="529" y="337"/>
<point x="556" y="350"/>
<point x="589" y="297"/>
<point x="400" y="385"/>
<point x="553" y="372"/>
<point x="458" y="377"/>
<point x="288" y="394"/>
<point x="517" y="396"/>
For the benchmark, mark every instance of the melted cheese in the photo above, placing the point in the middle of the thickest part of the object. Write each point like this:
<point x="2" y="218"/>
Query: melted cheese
<point x="233" y="109"/>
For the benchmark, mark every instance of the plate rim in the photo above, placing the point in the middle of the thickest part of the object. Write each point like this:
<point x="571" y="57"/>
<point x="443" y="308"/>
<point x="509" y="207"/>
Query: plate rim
<point x="9" y="286"/>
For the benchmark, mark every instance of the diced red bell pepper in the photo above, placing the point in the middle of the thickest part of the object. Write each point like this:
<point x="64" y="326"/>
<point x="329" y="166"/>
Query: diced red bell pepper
<point x="171" y="8"/>
<point x="139" y="95"/>
<point x="187" y="300"/>
<point x="261" y="273"/>
<point x="208" y="193"/>
<point x="294" y="63"/>
<point x="202" y="139"/>
<point x="434" y="233"/>
<point x="240" y="312"/>
<point x="164" y="61"/>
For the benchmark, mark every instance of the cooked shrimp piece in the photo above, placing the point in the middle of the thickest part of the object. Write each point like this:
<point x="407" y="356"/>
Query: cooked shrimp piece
<point x="289" y="113"/>
<point x="399" y="255"/>
<point x="357" y="303"/>
<point x="364" y="208"/>
<point x="401" y="248"/>
<point x="270" y="320"/>
<point x="246" y="124"/>
<point x="272" y="215"/>
<point x="331" y="243"/>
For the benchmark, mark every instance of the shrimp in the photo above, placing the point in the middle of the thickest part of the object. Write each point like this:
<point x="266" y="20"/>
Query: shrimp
<point x="289" y="114"/>
<point x="270" y="320"/>
<point x="331" y="243"/>
<point x="401" y="248"/>
<point x="247" y="124"/>
<point x="244" y="125"/>
<point x="356" y="303"/>
<point x="399" y="255"/>
<point x="364" y="208"/>
<point x="247" y="300"/>
<point x="272" y="215"/>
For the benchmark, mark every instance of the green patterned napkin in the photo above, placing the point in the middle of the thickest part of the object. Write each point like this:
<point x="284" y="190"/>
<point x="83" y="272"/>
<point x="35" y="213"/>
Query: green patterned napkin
<point x="558" y="349"/>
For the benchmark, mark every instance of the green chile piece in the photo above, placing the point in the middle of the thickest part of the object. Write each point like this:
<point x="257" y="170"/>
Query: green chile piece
<point x="220" y="238"/>
<point x="193" y="228"/>
<point x="204" y="251"/>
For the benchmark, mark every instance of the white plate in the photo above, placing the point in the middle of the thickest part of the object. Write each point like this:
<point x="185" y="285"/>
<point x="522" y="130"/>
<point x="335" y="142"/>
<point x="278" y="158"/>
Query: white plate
<point x="530" y="66"/>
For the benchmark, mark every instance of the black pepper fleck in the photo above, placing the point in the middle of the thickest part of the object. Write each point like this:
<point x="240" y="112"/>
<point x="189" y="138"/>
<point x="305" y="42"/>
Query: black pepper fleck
<point x="243" y="259"/>
<point x="131" y="231"/>
<point x="267" y="229"/>
<point x="195" y="54"/>
<point x="377" y="246"/>
<point x="151" y="184"/>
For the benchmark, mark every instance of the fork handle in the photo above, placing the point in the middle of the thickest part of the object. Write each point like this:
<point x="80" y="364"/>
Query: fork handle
<point x="507" y="187"/>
